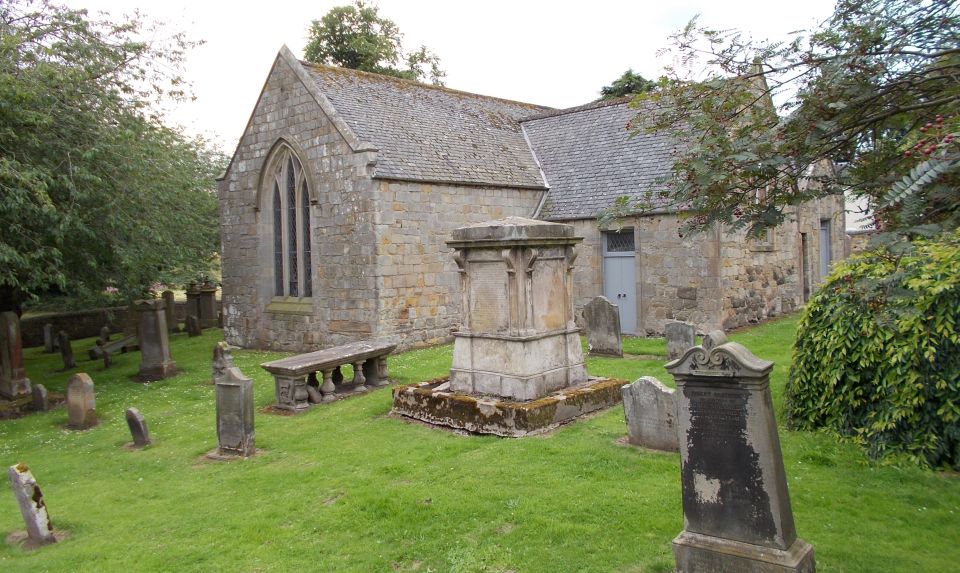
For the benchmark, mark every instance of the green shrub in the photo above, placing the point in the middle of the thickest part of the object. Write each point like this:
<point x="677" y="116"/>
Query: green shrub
<point x="877" y="355"/>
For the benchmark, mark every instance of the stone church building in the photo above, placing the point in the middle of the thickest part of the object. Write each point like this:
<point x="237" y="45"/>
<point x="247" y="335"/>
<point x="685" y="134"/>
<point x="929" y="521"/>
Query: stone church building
<point x="337" y="204"/>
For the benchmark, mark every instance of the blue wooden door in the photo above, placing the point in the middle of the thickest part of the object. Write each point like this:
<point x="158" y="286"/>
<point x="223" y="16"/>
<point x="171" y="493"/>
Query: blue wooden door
<point x="620" y="276"/>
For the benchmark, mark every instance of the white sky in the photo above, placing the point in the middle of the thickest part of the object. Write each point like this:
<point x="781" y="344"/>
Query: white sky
<point x="551" y="53"/>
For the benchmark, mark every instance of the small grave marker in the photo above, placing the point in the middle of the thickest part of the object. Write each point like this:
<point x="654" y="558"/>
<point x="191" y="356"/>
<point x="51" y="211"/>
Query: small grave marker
<point x="66" y="351"/>
<point x="193" y="326"/>
<point x="602" y="320"/>
<point x="32" y="507"/>
<point x="13" y="377"/>
<point x="81" y="402"/>
<point x="138" y="428"/>
<point x="49" y="339"/>
<point x="41" y="401"/>
<point x="235" y="432"/>
<point x="680" y="336"/>
<point x="170" y="310"/>
<point x="651" y="412"/>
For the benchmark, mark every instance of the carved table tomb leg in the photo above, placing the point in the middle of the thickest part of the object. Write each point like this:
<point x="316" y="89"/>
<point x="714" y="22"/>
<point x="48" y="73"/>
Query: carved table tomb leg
<point x="358" y="378"/>
<point x="291" y="392"/>
<point x="382" y="370"/>
<point x="328" y="388"/>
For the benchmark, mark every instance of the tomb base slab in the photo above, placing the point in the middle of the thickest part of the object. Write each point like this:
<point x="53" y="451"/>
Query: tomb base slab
<point x="697" y="553"/>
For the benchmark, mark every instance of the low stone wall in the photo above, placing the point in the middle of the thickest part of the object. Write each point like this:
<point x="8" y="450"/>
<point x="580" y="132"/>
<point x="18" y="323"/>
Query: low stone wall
<point x="81" y="323"/>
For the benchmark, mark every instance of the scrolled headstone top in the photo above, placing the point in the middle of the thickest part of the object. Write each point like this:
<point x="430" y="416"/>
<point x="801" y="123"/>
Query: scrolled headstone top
<point x="725" y="360"/>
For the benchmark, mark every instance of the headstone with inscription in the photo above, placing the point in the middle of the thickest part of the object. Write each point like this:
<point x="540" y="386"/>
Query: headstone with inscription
<point x="32" y="507"/>
<point x="680" y="336"/>
<point x="138" y="428"/>
<point x="66" y="351"/>
<point x="81" y="402"/>
<point x="13" y="377"/>
<point x="736" y="508"/>
<point x="49" y="339"/>
<point x="170" y="310"/>
<point x="602" y="321"/>
<point x="235" y="414"/>
<point x="651" y="412"/>
<point x="155" y="360"/>
<point x="222" y="360"/>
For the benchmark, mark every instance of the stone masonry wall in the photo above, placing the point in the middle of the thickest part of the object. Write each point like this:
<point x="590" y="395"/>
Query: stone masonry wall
<point x="343" y="306"/>
<point x="417" y="279"/>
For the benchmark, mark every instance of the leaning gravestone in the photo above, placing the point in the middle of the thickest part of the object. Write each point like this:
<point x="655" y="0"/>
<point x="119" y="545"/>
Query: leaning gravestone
<point x="41" y="401"/>
<point x="235" y="414"/>
<point x="680" y="336"/>
<point x="66" y="351"/>
<point x="32" y="507"/>
<point x="602" y="320"/>
<point x="736" y="507"/>
<point x="81" y="403"/>
<point x="170" y="310"/>
<point x="13" y="377"/>
<point x="193" y="326"/>
<point x="222" y="360"/>
<point x="138" y="428"/>
<point x="49" y="339"/>
<point x="155" y="360"/>
<point x="651" y="412"/>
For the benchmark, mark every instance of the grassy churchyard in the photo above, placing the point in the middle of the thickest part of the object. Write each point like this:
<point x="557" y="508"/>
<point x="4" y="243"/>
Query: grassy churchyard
<point x="345" y="487"/>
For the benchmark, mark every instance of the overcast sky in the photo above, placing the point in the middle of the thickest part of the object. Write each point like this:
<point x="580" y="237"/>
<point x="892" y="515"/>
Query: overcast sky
<point x="549" y="53"/>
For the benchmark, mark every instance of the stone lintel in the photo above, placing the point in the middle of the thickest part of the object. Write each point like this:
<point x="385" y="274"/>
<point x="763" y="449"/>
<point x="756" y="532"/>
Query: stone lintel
<point x="505" y="243"/>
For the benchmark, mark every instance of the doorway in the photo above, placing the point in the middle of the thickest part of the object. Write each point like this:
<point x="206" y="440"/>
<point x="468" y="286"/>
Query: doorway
<point x="620" y="276"/>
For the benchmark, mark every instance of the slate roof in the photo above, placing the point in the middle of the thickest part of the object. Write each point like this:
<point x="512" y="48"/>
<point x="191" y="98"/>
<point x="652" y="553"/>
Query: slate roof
<point x="590" y="159"/>
<point x="434" y="134"/>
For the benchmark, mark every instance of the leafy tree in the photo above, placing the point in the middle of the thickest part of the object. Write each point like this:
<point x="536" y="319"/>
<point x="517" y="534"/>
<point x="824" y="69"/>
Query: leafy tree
<point x="96" y="192"/>
<point x="875" y="89"/>
<point x="357" y="37"/>
<point x="629" y="83"/>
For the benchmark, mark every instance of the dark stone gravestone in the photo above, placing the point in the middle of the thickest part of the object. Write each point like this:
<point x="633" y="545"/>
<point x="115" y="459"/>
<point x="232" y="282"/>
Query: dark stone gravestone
<point x="235" y="414"/>
<point x="222" y="360"/>
<point x="155" y="360"/>
<point x="208" y="305"/>
<point x="13" y="377"/>
<point x="193" y="300"/>
<point x="32" y="507"/>
<point x="680" y="336"/>
<point x="193" y="326"/>
<point x="651" y="412"/>
<point x="66" y="351"/>
<point x="138" y="428"/>
<point x="107" y="359"/>
<point x="170" y="310"/>
<point x="104" y="334"/>
<point x="736" y="507"/>
<point x="132" y="322"/>
<point x="49" y="339"/>
<point x="81" y="403"/>
<point x="602" y="321"/>
<point x="41" y="401"/>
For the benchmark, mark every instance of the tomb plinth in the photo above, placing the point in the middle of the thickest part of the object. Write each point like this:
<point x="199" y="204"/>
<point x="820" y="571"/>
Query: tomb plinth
<point x="736" y="507"/>
<point x="13" y="377"/>
<point x="518" y="366"/>
<point x="518" y="339"/>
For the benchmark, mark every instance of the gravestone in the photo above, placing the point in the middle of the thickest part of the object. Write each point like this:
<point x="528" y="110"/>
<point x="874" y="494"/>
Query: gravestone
<point x="170" y="310"/>
<point x="193" y="326"/>
<point x="81" y="403"/>
<point x="207" y="304"/>
<point x="138" y="428"/>
<point x="193" y="300"/>
<point x="41" y="401"/>
<point x="66" y="351"/>
<point x="104" y="334"/>
<point x="222" y="360"/>
<point x="235" y="414"/>
<point x="32" y="507"/>
<point x="155" y="360"/>
<point x="132" y="322"/>
<point x="680" y="336"/>
<point x="651" y="412"/>
<point x="49" y="339"/>
<point x="13" y="377"/>
<point x="736" y="506"/>
<point x="602" y="321"/>
<point x="107" y="359"/>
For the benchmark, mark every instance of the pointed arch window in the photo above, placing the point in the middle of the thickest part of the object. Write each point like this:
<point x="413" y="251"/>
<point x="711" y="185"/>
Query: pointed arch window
<point x="291" y="228"/>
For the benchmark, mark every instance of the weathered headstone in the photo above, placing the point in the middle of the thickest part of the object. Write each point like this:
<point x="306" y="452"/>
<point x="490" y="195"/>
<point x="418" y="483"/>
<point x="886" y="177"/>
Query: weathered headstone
<point x="41" y="401"/>
<point x="49" y="339"/>
<point x="680" y="336"/>
<point x="736" y="507"/>
<point x="32" y="507"/>
<point x="602" y="320"/>
<point x="193" y="326"/>
<point x="138" y="428"/>
<point x="222" y="360"/>
<point x="235" y="414"/>
<point x="104" y="334"/>
<point x="81" y="402"/>
<point x="155" y="360"/>
<point x="193" y="300"/>
<point x="132" y="322"/>
<point x="208" y="305"/>
<point x="170" y="310"/>
<point x="107" y="359"/>
<point x="13" y="377"/>
<point x="651" y="412"/>
<point x="66" y="351"/>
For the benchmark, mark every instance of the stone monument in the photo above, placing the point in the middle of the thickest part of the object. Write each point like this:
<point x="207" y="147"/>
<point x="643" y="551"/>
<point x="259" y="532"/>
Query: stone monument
<point x="81" y="403"/>
<point x="601" y="318"/>
<point x="32" y="507"/>
<point x="651" y="412"/>
<point x="170" y="310"/>
<point x="193" y="327"/>
<point x="736" y="508"/>
<point x="13" y="378"/>
<point x="155" y="360"/>
<point x="66" y="351"/>
<point x="104" y="334"/>
<point x="49" y="339"/>
<point x="222" y="360"/>
<point x="680" y="336"/>
<point x="138" y="428"/>
<point x="207" y="304"/>
<point x="193" y="300"/>
<point x="41" y="400"/>
<point x="517" y="362"/>
<point x="235" y="414"/>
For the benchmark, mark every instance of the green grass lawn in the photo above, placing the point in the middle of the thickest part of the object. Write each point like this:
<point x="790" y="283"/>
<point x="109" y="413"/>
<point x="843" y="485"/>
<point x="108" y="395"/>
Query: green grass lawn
<point x="344" y="487"/>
